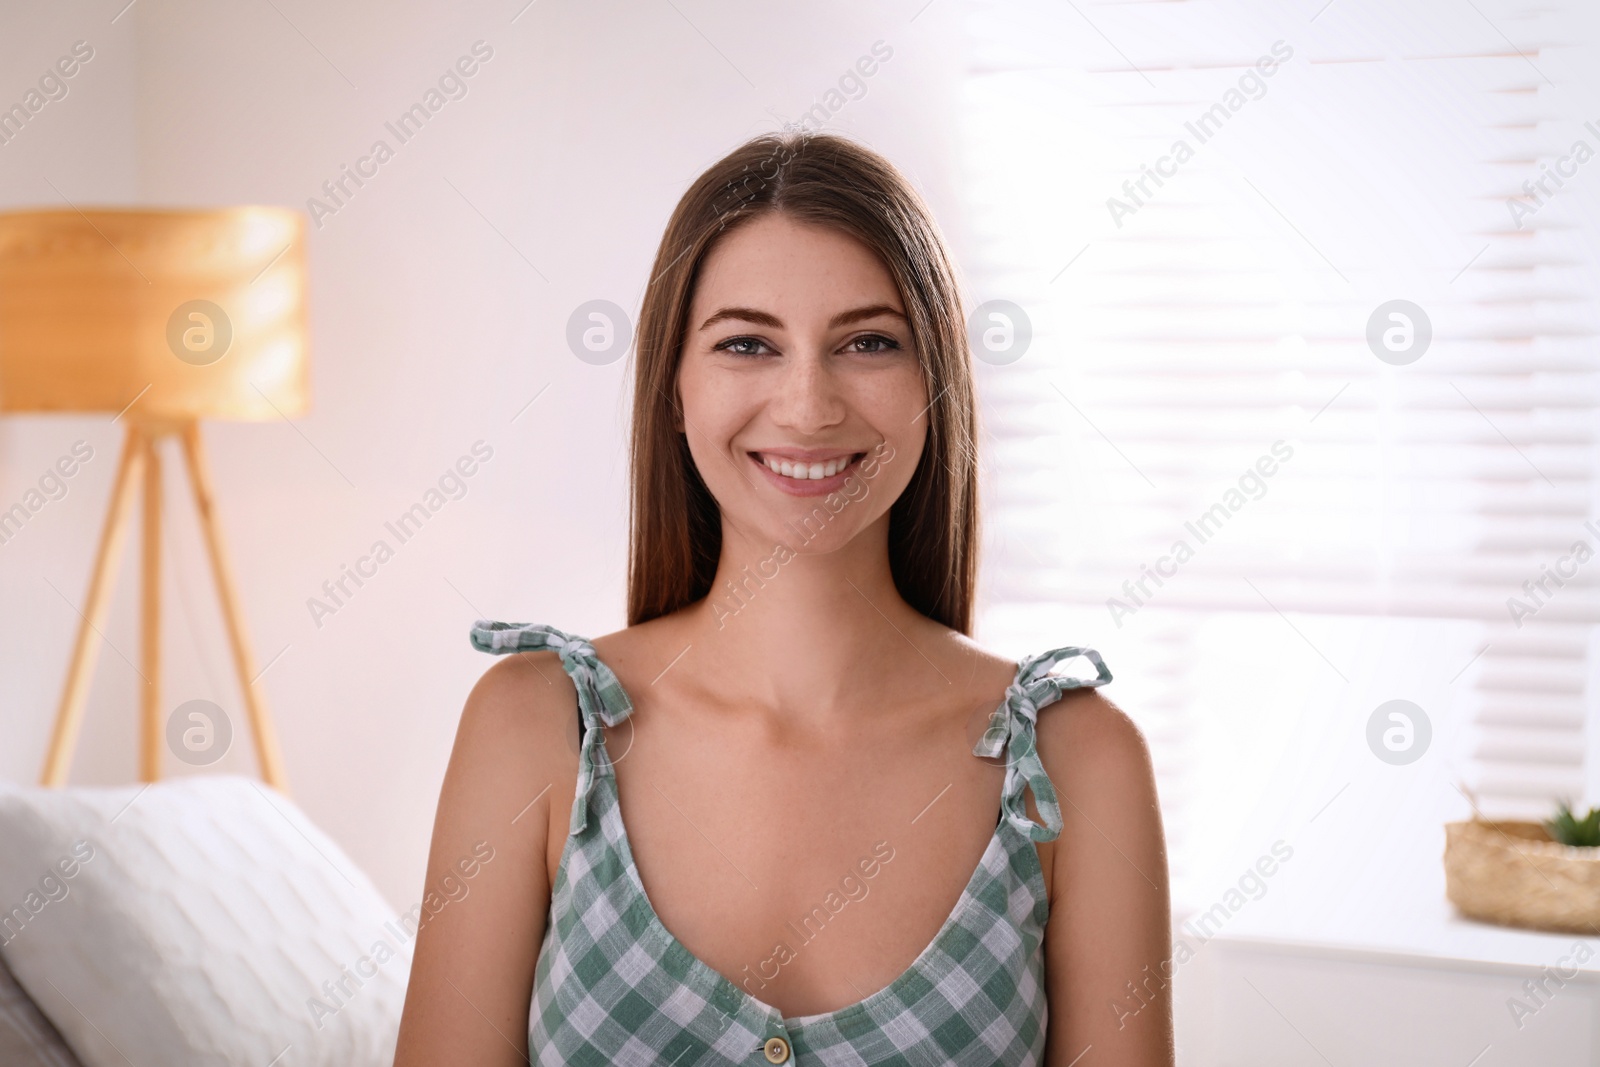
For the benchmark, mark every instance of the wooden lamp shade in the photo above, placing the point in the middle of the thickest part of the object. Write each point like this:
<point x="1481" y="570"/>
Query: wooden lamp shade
<point x="86" y="301"/>
<point x="162" y="318"/>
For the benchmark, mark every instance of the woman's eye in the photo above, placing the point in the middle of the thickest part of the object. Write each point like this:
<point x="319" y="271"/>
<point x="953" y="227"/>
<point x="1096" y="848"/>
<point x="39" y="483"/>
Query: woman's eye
<point x="741" y="346"/>
<point x="877" y="342"/>
<point x="868" y="344"/>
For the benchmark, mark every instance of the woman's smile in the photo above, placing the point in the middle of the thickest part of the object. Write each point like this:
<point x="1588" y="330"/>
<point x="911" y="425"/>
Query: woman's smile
<point x="806" y="471"/>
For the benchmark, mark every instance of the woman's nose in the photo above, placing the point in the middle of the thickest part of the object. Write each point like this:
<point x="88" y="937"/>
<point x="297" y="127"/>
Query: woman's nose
<point x="808" y="398"/>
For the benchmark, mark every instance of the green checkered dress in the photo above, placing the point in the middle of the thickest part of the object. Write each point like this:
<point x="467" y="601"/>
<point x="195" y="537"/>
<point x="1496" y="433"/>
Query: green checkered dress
<point x="613" y="986"/>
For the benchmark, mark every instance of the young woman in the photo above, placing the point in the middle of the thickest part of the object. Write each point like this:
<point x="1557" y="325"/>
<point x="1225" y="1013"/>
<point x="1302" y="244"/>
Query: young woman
<point x="793" y="813"/>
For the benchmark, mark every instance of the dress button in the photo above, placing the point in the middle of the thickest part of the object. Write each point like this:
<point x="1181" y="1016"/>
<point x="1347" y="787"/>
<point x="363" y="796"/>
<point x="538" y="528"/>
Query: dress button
<point x="776" y="1049"/>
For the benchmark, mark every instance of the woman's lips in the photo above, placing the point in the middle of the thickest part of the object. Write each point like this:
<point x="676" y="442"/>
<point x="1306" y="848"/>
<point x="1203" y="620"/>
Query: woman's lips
<point x="807" y="486"/>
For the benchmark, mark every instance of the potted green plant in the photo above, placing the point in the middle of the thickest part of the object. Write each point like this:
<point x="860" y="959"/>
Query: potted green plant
<point x="1571" y="830"/>
<point x="1538" y="875"/>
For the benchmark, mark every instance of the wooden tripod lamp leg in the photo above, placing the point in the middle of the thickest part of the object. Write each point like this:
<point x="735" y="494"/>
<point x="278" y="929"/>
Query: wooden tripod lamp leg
<point x="150" y="625"/>
<point x="266" y="739"/>
<point x="69" y="715"/>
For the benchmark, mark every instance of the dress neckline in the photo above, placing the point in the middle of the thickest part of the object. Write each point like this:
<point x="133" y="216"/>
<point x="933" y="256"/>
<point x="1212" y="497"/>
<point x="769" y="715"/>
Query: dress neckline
<point x="714" y="979"/>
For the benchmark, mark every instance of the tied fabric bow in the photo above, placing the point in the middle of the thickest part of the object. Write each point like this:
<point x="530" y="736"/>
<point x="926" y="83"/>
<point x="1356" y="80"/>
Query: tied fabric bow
<point x="601" y="699"/>
<point x="1014" y="721"/>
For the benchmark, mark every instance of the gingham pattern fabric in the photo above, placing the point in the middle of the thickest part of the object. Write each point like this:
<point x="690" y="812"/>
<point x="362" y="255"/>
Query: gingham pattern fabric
<point x="614" y="987"/>
<point x="1013" y="723"/>
<point x="601" y="698"/>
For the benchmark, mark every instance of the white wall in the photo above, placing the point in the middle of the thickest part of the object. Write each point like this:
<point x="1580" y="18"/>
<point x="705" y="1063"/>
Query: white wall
<point x="84" y="148"/>
<point x="429" y="333"/>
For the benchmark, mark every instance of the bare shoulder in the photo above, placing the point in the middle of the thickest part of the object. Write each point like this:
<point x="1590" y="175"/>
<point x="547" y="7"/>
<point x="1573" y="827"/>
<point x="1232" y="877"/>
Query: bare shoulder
<point x="1100" y="764"/>
<point x="521" y="713"/>
<point x="516" y="743"/>
<point x="1087" y="737"/>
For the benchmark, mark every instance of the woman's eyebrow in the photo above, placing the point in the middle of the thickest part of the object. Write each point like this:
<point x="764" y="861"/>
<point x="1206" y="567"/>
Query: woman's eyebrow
<point x="762" y="318"/>
<point x="871" y="311"/>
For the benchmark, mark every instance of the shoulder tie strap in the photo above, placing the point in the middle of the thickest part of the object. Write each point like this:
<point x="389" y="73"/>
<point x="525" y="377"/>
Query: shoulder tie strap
<point x="1012" y="727"/>
<point x="601" y="699"/>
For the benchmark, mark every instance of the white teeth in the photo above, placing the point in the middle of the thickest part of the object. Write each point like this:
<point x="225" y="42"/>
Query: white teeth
<point x="805" y="471"/>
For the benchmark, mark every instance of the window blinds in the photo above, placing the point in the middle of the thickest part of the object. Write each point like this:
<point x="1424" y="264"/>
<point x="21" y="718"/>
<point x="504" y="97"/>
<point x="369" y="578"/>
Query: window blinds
<point x="1202" y="210"/>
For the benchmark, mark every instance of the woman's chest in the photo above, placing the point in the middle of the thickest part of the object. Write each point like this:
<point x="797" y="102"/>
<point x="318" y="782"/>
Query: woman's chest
<point x="810" y="876"/>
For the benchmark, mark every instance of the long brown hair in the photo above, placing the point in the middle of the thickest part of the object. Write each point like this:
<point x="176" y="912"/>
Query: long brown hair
<point x="675" y="531"/>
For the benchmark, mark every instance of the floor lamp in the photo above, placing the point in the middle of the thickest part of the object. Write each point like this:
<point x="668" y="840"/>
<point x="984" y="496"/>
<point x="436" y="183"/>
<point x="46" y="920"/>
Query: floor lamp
<point x="161" y="319"/>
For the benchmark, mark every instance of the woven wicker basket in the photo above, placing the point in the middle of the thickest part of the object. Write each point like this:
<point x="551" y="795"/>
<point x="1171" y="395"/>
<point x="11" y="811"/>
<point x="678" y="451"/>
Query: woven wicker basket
<point x="1513" y="874"/>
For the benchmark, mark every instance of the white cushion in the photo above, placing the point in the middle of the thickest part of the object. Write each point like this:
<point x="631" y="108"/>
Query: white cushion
<point x="26" y="1037"/>
<point x="203" y="920"/>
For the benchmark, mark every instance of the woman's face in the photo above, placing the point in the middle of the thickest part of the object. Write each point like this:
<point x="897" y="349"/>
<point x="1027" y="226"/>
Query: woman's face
<point x="801" y="390"/>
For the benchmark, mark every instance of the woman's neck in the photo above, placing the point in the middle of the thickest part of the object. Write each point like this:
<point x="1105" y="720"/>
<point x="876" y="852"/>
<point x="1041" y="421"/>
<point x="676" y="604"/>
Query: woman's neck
<point x="804" y="633"/>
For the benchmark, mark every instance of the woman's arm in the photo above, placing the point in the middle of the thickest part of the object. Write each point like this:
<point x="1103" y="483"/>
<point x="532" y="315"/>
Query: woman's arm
<point x="472" y="971"/>
<point x="1108" y="942"/>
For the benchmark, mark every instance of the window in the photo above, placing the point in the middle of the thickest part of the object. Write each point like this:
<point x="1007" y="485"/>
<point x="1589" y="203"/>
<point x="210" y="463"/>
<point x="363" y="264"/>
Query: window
<point x="1202" y="466"/>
